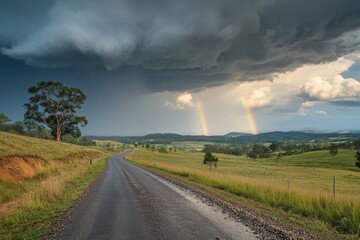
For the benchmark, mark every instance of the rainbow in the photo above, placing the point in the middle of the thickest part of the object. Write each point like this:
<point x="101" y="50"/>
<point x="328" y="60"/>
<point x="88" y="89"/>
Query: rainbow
<point x="202" y="118"/>
<point x="250" y="116"/>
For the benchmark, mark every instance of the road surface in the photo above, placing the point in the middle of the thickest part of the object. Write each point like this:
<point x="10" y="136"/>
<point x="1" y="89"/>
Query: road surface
<point x="130" y="203"/>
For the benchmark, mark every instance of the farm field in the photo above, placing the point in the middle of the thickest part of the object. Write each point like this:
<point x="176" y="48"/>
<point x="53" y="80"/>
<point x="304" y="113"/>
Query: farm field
<point x="301" y="184"/>
<point x="104" y="143"/>
<point x="314" y="170"/>
<point x="189" y="145"/>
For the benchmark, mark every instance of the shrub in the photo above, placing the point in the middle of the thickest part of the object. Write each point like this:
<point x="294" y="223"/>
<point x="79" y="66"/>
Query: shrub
<point x="357" y="164"/>
<point x="210" y="160"/>
<point x="162" y="149"/>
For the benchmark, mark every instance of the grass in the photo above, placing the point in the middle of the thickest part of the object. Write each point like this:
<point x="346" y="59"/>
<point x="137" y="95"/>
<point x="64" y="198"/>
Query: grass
<point x="39" y="200"/>
<point x="189" y="145"/>
<point x="52" y="152"/>
<point x="309" y="193"/>
<point x="49" y="200"/>
<point x="10" y="190"/>
<point x="103" y="143"/>
<point x="11" y="144"/>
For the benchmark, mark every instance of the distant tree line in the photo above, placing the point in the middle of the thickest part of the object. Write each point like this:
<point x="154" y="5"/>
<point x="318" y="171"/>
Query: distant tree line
<point x="256" y="151"/>
<point x="160" y="149"/>
<point x="259" y="151"/>
<point x="271" y="137"/>
<point x="226" y="149"/>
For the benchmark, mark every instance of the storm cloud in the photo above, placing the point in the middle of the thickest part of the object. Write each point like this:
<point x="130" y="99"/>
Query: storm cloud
<point x="181" y="45"/>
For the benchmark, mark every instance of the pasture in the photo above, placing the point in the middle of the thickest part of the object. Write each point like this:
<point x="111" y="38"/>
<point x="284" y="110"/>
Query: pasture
<point x="300" y="184"/>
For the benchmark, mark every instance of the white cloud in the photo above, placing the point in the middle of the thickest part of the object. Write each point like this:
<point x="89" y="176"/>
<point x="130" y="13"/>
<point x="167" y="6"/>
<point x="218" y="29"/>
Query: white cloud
<point x="184" y="99"/>
<point x="257" y="94"/>
<point x="303" y="88"/>
<point x="333" y="89"/>
<point x="181" y="101"/>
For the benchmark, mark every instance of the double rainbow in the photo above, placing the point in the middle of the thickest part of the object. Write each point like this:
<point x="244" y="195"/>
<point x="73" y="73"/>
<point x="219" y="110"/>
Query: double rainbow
<point x="249" y="114"/>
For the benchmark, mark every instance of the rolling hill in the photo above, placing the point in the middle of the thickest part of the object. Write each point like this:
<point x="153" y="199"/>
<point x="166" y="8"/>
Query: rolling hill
<point x="238" y="138"/>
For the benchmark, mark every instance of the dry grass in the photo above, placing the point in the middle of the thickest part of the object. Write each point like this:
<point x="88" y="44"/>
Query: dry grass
<point x="341" y="212"/>
<point x="29" y="203"/>
<point x="59" y="162"/>
<point x="52" y="194"/>
<point x="52" y="187"/>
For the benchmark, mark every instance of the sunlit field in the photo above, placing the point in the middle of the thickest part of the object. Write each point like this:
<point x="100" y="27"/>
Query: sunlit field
<point x="189" y="145"/>
<point x="12" y="144"/>
<point x="105" y="143"/>
<point x="301" y="184"/>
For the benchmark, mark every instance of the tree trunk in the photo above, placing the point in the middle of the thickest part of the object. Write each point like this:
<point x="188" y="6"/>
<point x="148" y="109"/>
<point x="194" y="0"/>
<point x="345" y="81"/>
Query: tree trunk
<point x="58" y="133"/>
<point x="58" y="137"/>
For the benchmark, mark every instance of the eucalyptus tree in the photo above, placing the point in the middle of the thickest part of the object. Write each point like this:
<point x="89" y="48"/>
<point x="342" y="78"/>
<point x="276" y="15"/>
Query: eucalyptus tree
<point x="54" y="106"/>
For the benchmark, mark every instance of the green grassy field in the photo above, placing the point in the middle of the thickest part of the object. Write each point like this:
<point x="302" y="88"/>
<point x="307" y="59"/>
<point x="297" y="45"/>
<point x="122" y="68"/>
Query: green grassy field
<point x="103" y="143"/>
<point x="189" y="145"/>
<point x="300" y="184"/>
<point x="27" y="207"/>
<point x="11" y="144"/>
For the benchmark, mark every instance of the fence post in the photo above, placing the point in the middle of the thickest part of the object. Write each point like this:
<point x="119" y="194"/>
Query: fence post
<point x="334" y="190"/>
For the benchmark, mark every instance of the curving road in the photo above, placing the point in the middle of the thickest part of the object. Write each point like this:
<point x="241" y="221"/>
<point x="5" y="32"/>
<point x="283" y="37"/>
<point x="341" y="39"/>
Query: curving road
<point x="130" y="203"/>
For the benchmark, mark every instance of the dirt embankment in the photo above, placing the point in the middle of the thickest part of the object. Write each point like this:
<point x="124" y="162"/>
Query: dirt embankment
<point x="20" y="168"/>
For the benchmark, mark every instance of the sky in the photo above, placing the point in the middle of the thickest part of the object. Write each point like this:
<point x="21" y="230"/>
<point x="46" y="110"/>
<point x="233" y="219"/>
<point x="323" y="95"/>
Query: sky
<point x="204" y="67"/>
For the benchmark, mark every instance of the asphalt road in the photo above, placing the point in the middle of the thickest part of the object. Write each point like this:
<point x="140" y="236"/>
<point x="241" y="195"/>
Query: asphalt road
<point x="130" y="203"/>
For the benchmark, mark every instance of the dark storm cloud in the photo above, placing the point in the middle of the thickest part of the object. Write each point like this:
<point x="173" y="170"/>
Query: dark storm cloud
<point x="181" y="44"/>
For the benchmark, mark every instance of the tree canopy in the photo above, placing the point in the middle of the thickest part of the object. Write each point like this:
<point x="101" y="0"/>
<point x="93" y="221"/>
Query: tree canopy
<point x="210" y="159"/>
<point x="54" y="105"/>
<point x="259" y="151"/>
<point x="333" y="150"/>
<point x="357" y="156"/>
<point x="4" y="119"/>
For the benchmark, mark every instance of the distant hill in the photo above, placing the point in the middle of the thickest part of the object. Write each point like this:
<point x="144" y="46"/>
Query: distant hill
<point x="302" y="135"/>
<point x="238" y="138"/>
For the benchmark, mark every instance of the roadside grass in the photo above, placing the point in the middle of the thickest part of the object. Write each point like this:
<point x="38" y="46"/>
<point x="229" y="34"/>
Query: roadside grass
<point x="49" y="199"/>
<point x="56" y="155"/>
<point x="10" y="190"/>
<point x="308" y="193"/>
<point x="29" y="205"/>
